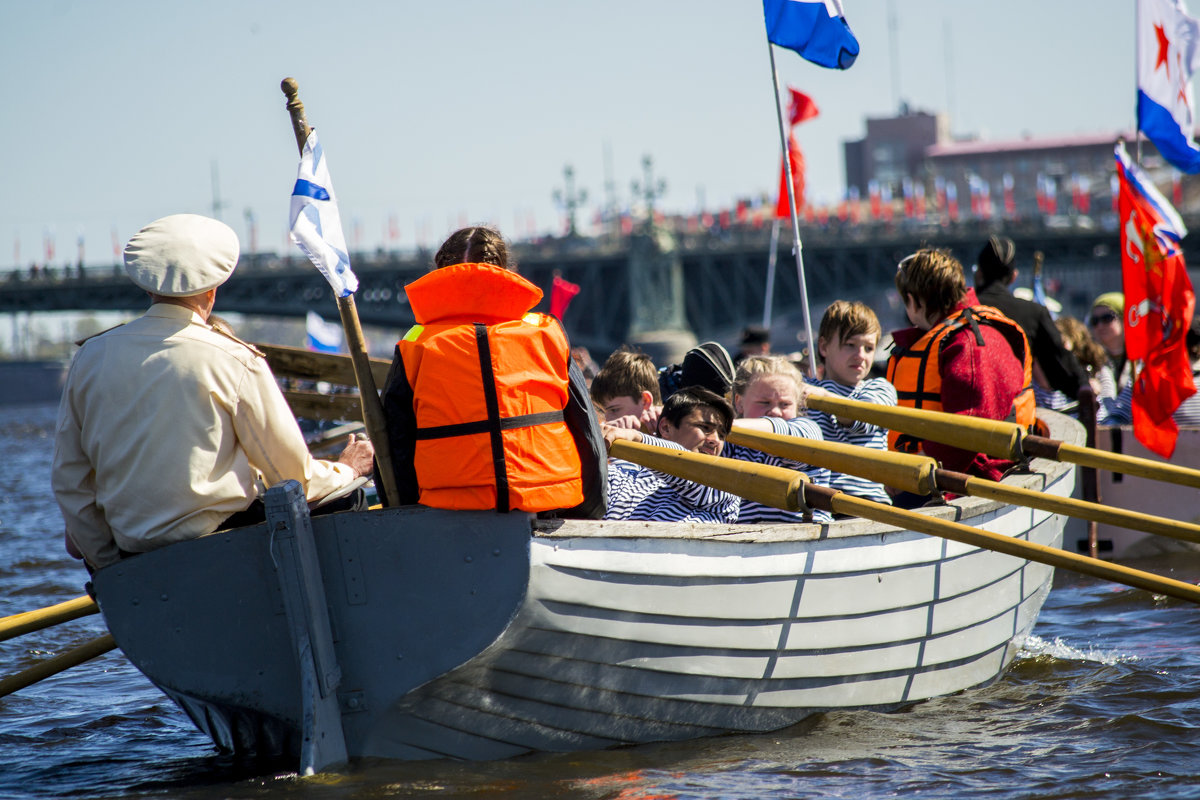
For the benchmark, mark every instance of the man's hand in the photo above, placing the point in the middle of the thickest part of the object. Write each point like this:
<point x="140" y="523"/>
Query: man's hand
<point x="359" y="454"/>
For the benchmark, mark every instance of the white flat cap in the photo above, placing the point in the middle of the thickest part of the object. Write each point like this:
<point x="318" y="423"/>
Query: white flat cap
<point x="181" y="255"/>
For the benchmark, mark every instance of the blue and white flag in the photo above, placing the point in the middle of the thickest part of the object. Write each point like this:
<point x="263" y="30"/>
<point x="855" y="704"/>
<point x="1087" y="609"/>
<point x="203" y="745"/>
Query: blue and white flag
<point x="1168" y="52"/>
<point x="816" y="29"/>
<point x="322" y="336"/>
<point x="316" y="224"/>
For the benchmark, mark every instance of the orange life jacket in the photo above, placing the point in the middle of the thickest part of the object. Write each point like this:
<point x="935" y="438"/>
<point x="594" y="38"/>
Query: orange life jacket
<point x="489" y="384"/>
<point x="916" y="372"/>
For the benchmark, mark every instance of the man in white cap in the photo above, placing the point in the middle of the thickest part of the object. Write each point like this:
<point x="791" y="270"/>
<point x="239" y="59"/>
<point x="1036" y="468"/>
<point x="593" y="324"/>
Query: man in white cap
<point x="169" y="427"/>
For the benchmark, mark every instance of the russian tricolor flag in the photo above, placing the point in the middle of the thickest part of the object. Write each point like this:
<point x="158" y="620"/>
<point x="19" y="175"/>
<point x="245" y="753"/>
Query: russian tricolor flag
<point x="1168" y="53"/>
<point x="816" y="29"/>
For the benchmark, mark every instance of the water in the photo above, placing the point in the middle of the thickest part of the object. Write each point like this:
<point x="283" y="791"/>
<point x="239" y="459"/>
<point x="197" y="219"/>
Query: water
<point x="1103" y="702"/>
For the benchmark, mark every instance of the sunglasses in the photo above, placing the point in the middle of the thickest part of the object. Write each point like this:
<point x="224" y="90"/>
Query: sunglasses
<point x="1102" y="319"/>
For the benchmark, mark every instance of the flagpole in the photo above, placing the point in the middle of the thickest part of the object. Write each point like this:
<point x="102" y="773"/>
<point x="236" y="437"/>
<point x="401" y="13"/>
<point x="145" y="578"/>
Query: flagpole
<point x="791" y="190"/>
<point x="356" y="343"/>
<point x="1137" y="65"/>
<point x="769" y="298"/>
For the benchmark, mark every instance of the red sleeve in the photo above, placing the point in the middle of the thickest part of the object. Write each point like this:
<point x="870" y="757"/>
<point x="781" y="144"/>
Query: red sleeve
<point x="979" y="382"/>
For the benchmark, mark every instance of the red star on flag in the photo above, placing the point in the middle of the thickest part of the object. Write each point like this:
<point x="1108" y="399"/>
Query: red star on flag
<point x="1163" y="45"/>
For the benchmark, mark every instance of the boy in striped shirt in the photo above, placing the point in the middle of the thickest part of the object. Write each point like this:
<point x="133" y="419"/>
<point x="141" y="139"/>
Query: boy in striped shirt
<point x="693" y="419"/>
<point x="846" y="343"/>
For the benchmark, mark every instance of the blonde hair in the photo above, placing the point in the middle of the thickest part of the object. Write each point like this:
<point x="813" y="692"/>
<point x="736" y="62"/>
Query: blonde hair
<point x="753" y="367"/>
<point x="933" y="278"/>
<point x="1079" y="341"/>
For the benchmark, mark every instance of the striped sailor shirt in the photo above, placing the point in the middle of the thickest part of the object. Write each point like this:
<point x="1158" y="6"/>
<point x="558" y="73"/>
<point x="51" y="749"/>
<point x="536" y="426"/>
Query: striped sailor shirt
<point x="802" y="427"/>
<point x="640" y="493"/>
<point x="863" y="434"/>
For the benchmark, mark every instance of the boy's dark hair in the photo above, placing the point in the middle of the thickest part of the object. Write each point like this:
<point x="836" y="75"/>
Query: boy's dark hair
<point x="626" y="373"/>
<point x="688" y="399"/>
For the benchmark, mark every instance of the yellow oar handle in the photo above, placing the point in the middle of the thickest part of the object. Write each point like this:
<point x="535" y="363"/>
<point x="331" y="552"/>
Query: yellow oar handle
<point x="902" y="471"/>
<point x="842" y="503"/>
<point x="28" y="621"/>
<point x="777" y="487"/>
<point x="959" y="483"/>
<point x="999" y="439"/>
<point x="52" y="666"/>
<point x="993" y="437"/>
<point x="1114" y="462"/>
<point x="920" y="475"/>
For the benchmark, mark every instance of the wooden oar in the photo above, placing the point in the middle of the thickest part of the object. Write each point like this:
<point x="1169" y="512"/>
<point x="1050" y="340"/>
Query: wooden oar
<point x="777" y="489"/>
<point x="921" y="475"/>
<point x="296" y="362"/>
<point x="321" y="406"/>
<point x="841" y="503"/>
<point x="773" y="486"/>
<point x="999" y="439"/>
<point x="28" y="621"/>
<point x="52" y="666"/>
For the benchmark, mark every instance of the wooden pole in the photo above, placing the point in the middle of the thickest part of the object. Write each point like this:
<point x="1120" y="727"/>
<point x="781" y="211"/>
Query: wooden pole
<point x="920" y="475"/>
<point x="999" y="439"/>
<point x="52" y="666"/>
<point x="773" y="486"/>
<point x="28" y="621"/>
<point x="372" y="408"/>
<point x="841" y="503"/>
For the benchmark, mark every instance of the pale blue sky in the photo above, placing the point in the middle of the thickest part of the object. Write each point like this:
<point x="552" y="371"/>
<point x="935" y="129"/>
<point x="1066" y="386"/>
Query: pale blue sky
<point x="438" y="113"/>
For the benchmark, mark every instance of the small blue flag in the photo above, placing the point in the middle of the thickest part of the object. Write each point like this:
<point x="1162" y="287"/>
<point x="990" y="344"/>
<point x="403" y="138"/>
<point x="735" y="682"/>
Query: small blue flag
<point x="816" y="29"/>
<point x="322" y="336"/>
<point x="316" y="224"/>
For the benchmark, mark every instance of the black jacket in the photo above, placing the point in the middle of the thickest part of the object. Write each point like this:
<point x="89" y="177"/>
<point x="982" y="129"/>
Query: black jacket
<point x="1061" y="368"/>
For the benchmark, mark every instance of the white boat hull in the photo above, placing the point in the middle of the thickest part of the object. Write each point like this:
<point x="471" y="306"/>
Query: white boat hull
<point x="1133" y="493"/>
<point x="585" y="634"/>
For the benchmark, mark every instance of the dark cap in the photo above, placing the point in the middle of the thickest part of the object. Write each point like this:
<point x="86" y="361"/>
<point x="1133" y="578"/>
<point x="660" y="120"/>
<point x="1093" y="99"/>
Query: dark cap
<point x="996" y="258"/>
<point x="755" y="334"/>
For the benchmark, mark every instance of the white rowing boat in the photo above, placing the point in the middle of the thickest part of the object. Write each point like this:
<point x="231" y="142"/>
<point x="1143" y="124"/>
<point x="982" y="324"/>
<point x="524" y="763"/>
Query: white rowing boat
<point x="414" y="633"/>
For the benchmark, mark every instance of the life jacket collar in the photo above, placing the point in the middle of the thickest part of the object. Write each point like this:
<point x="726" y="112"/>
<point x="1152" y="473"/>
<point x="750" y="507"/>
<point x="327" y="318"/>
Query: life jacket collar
<point x="476" y="292"/>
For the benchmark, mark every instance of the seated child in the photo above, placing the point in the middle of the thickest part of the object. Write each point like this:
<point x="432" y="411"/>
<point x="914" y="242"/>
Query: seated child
<point x="846" y="343"/>
<point x="626" y="390"/>
<point x="767" y="394"/>
<point x="692" y="419"/>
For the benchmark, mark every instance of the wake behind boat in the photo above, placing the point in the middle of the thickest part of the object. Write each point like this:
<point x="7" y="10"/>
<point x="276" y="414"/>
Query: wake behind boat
<point x="416" y="633"/>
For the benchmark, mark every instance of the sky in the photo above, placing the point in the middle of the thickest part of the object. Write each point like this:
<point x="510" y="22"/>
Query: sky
<point x="435" y="115"/>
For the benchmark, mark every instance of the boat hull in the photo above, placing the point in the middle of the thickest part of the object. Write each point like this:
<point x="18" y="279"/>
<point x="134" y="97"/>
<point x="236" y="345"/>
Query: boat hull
<point x="581" y="635"/>
<point x="1133" y="493"/>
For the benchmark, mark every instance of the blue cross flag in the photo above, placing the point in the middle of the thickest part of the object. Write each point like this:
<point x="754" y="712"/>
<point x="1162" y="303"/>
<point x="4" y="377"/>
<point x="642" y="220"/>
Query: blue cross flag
<point x="316" y="224"/>
<point x="816" y="29"/>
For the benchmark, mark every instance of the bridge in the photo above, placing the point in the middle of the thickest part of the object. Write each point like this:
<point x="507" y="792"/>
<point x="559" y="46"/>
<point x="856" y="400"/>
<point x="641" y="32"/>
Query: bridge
<point x="724" y="276"/>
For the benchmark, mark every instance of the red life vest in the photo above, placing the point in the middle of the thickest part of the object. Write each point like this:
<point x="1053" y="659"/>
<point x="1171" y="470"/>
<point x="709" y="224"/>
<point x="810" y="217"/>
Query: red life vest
<point x="489" y="384"/>
<point x="916" y="371"/>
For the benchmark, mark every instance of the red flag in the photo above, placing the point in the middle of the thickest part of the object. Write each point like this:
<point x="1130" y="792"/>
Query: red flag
<point x="782" y="207"/>
<point x="562" y="292"/>
<point x="800" y="107"/>
<point x="1159" y="303"/>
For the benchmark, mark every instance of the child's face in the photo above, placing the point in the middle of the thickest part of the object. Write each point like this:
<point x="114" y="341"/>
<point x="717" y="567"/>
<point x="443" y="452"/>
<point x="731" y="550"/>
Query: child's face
<point x="623" y="406"/>
<point x="848" y="360"/>
<point x="769" y="396"/>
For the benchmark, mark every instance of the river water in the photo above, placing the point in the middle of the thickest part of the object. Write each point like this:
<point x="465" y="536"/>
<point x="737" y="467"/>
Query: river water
<point x="1103" y="702"/>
